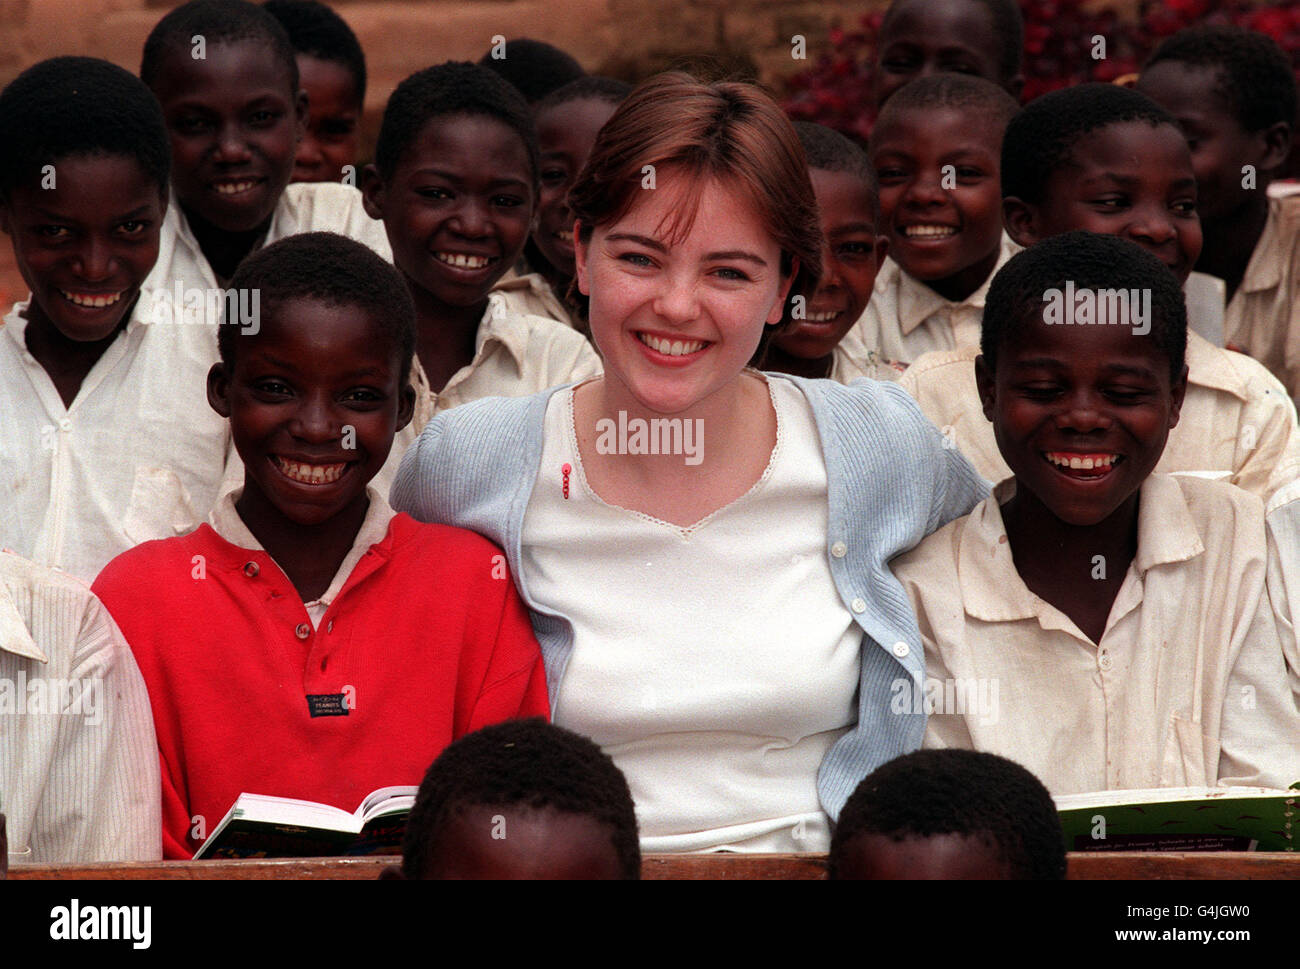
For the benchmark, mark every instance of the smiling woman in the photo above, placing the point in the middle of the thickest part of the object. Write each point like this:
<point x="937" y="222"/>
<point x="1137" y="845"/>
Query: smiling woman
<point x="714" y="609"/>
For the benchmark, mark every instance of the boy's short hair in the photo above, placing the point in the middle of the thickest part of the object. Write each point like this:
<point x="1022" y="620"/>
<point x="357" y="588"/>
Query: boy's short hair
<point x="963" y="792"/>
<point x="1090" y="261"/>
<point x="528" y="763"/>
<point x="334" y="270"/>
<point x="317" y="31"/>
<point x="1008" y="24"/>
<point x="590" y="87"/>
<point x="217" y="22"/>
<point x="964" y="92"/>
<point x="533" y="67"/>
<point x="830" y="151"/>
<point x="456" y="87"/>
<point x="1039" y="140"/>
<point x="69" y="106"/>
<point x="1256" y="82"/>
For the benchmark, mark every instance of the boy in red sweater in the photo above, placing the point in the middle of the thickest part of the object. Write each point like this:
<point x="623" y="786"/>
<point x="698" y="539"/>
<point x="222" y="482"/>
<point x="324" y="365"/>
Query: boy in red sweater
<point x="308" y="642"/>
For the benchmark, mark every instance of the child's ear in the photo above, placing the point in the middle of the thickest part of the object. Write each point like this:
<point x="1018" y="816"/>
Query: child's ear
<point x="882" y="251"/>
<point x="372" y="192"/>
<point x="1018" y="217"/>
<point x="580" y="250"/>
<point x="300" y="106"/>
<point x="987" y="384"/>
<point x="406" y="404"/>
<point x="1276" y="142"/>
<point x="1177" y="390"/>
<point x="219" y="389"/>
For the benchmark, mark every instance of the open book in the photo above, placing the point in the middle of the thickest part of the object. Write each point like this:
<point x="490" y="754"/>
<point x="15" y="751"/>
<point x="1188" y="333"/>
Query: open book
<point x="260" y="826"/>
<point x="1181" y="819"/>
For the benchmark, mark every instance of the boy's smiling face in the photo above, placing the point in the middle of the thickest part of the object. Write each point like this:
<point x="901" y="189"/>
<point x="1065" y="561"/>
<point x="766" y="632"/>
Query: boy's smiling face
<point x="1131" y="179"/>
<point x="851" y="255"/>
<point x="234" y="124"/>
<point x="333" y="131"/>
<point x="313" y="401"/>
<point x="937" y="36"/>
<point x="458" y="207"/>
<point x="85" y="245"/>
<point x="565" y="134"/>
<point x="521" y="843"/>
<point x="940" y="196"/>
<point x="1099" y="394"/>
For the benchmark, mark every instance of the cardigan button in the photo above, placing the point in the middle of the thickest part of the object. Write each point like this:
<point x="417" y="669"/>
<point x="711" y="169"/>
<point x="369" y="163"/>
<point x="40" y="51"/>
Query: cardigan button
<point x="839" y="550"/>
<point x="302" y="631"/>
<point x="858" y="605"/>
<point x="251" y="569"/>
<point x="901" y="649"/>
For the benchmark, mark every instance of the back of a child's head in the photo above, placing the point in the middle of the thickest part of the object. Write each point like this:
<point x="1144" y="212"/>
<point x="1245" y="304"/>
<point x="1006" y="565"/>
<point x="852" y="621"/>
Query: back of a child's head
<point x="215" y="22"/>
<point x="78" y="107"/>
<point x="829" y="151"/>
<point x="511" y="771"/>
<point x="1256" y="82"/>
<point x="992" y="803"/>
<point x="533" y="67"/>
<point x="317" y="31"/>
<point x="453" y="89"/>
<point x="1041" y="138"/>
<point x="1086" y="261"/>
<point x="331" y="269"/>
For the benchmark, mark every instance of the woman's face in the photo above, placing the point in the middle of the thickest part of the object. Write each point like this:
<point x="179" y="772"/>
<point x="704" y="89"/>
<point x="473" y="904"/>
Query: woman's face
<point x="678" y="318"/>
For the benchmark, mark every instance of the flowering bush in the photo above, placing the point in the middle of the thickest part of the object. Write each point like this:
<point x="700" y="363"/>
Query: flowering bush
<point x="836" y="90"/>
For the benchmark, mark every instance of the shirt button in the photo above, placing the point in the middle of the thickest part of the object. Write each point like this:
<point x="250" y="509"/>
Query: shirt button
<point x="303" y="630"/>
<point x="251" y="569"/>
<point x="330" y="627"/>
<point x="1104" y="663"/>
<point x="839" y="550"/>
<point x="65" y="424"/>
<point x="858" y="605"/>
<point x="901" y="649"/>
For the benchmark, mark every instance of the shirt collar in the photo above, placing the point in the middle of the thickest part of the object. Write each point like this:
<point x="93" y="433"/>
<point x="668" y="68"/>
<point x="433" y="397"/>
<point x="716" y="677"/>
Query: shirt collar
<point x="1264" y="271"/>
<point x="993" y="591"/>
<point x="1207" y="367"/>
<point x="15" y="637"/>
<point x="917" y="302"/>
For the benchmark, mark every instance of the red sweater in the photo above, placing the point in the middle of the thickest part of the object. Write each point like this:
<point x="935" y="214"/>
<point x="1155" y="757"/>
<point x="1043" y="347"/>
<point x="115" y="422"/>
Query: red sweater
<point x="426" y="641"/>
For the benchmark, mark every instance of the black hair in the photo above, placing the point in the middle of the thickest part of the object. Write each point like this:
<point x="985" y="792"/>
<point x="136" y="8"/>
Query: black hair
<point x="533" y="67"/>
<point x="979" y="98"/>
<point x="69" y="106"/>
<point x="1089" y="260"/>
<point x="317" y="31"/>
<point x="1041" y="138"/>
<point x="530" y="763"/>
<point x="963" y="792"/>
<point x="217" y="22"/>
<point x="830" y="151"/>
<point x="334" y="270"/>
<point x="1008" y="25"/>
<point x="1256" y="81"/>
<point x="591" y="87"/>
<point x="456" y="87"/>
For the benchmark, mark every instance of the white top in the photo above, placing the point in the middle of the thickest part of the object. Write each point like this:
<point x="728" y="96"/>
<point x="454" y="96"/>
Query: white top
<point x="138" y="455"/>
<point x="716" y="663"/>
<point x="1186" y="687"/>
<point x="78" y="758"/>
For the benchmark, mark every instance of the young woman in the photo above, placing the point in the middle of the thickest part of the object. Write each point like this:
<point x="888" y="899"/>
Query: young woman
<point x="703" y="546"/>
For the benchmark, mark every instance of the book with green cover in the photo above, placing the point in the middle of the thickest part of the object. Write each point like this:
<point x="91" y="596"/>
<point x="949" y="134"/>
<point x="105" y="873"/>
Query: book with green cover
<point x="261" y="826"/>
<point x="1181" y="819"/>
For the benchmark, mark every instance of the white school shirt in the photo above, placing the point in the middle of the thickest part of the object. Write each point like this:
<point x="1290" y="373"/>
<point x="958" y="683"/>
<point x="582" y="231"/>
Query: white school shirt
<point x="1282" y="515"/>
<point x="1186" y="688"/>
<point x="138" y="454"/>
<point x="530" y="294"/>
<point x="79" y="784"/>
<point x="1237" y="418"/>
<point x="715" y="664"/>
<point x="304" y="207"/>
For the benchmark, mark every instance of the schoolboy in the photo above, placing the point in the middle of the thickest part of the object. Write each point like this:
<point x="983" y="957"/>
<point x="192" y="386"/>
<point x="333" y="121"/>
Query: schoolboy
<point x="1234" y="93"/>
<point x="332" y="70"/>
<point x="950" y="815"/>
<point x="936" y="150"/>
<point x="335" y="646"/>
<point x="918" y="38"/>
<point x="78" y="761"/>
<point x="1119" y="615"/>
<point x="568" y="120"/>
<point x="235" y="116"/>
<point x="522" y="800"/>
<point x="1106" y="159"/>
<point x="534" y="68"/>
<point x="455" y="183"/>
<point x="105" y="441"/>
<point x="852" y="250"/>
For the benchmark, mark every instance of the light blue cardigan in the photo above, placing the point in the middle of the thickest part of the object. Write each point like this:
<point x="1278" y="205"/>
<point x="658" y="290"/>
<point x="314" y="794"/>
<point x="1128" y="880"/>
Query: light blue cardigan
<point x="891" y="482"/>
